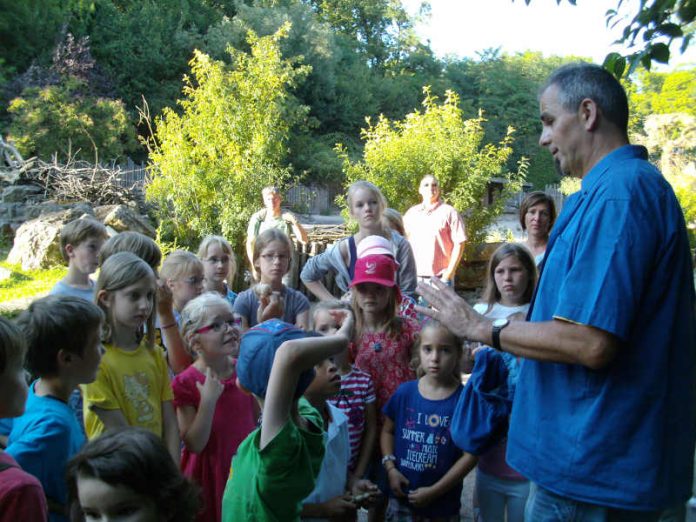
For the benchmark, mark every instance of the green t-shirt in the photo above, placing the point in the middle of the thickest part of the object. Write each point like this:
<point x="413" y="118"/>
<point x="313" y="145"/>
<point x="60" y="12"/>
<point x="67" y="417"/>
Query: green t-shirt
<point x="269" y="485"/>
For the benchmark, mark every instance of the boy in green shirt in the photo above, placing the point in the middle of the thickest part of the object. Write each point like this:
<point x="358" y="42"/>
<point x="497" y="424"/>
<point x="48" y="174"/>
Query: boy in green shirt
<point x="276" y="466"/>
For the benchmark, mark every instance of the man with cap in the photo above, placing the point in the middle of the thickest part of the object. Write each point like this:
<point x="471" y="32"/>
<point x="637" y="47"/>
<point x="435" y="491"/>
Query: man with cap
<point x="276" y="466"/>
<point x="436" y="233"/>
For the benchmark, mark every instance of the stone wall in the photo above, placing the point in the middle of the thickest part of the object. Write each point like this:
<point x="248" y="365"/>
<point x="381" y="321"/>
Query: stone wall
<point x="32" y="223"/>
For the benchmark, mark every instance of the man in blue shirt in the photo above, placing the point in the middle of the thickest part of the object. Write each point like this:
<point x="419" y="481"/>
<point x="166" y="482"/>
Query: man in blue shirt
<point x="603" y="421"/>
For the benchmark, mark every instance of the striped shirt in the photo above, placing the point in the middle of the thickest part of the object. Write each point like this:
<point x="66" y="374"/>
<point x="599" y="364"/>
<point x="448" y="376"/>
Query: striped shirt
<point x="357" y="391"/>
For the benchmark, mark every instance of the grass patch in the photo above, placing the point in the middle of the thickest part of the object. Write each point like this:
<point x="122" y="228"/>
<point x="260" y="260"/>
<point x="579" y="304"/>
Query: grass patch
<point x="24" y="284"/>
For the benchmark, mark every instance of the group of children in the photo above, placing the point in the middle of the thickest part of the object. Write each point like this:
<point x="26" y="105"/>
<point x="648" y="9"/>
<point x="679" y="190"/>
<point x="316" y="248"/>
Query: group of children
<point x="356" y="401"/>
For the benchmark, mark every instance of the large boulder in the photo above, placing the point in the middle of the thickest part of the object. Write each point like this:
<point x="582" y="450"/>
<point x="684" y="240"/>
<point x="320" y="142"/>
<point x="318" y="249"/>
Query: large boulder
<point x="37" y="242"/>
<point x="122" y="218"/>
<point x="20" y="193"/>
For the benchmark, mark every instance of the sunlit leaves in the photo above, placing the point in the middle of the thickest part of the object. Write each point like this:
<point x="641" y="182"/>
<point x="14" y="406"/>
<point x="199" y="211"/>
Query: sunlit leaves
<point x="209" y="163"/>
<point x="438" y="140"/>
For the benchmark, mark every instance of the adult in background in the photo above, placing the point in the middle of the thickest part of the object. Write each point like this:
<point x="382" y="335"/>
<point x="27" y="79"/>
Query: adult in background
<point x="537" y="215"/>
<point x="603" y="421"/>
<point x="272" y="216"/>
<point x="436" y="233"/>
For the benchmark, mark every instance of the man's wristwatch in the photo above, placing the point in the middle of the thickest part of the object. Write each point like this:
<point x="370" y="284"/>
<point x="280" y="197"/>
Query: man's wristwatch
<point x="498" y="325"/>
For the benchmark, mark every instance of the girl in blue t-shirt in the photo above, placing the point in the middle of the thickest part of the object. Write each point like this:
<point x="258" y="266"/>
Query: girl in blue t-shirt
<point x="424" y="467"/>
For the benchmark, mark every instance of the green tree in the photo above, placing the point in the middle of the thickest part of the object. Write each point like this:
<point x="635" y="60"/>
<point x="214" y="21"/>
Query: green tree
<point x="671" y="140"/>
<point x="379" y="28"/>
<point x="209" y="163"/>
<point x="440" y="141"/>
<point x="650" y="32"/>
<point x="61" y="119"/>
<point x="145" y="45"/>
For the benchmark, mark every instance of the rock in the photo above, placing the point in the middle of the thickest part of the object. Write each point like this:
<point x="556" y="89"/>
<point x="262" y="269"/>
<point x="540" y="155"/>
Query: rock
<point x="37" y="242"/>
<point x="122" y="218"/>
<point x="20" y="193"/>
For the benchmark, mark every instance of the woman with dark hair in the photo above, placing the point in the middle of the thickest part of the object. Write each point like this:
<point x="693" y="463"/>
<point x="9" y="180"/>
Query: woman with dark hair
<point x="129" y="472"/>
<point x="537" y="215"/>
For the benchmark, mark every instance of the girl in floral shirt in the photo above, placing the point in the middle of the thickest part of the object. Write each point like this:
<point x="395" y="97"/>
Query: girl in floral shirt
<point x="383" y="340"/>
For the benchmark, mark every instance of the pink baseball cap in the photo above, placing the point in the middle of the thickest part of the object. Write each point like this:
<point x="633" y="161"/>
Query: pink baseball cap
<point x="376" y="268"/>
<point x="372" y="245"/>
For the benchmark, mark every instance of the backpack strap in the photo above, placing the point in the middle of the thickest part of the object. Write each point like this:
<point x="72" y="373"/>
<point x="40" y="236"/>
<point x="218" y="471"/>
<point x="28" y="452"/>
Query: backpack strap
<point x="353" y="254"/>
<point x="260" y="218"/>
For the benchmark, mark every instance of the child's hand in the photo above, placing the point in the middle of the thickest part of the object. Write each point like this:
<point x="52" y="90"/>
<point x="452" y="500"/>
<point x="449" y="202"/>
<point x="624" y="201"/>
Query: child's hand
<point x="339" y="508"/>
<point x="397" y="482"/>
<point x="211" y="389"/>
<point x="164" y="298"/>
<point x="345" y="319"/>
<point x="364" y="492"/>
<point x="421" y="497"/>
<point x="272" y="307"/>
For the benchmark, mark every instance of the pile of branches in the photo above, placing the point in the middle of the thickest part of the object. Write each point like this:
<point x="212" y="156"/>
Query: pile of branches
<point x="78" y="181"/>
<point x="326" y="233"/>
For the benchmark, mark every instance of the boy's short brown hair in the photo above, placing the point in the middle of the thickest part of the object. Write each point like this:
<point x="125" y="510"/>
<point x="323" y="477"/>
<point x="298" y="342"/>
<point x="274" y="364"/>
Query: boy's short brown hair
<point x="80" y="230"/>
<point x="53" y="323"/>
<point x="135" y="243"/>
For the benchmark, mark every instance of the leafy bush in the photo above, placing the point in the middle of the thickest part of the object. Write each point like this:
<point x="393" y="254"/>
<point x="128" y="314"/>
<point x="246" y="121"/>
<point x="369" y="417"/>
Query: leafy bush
<point x="60" y="119"/>
<point x="209" y="163"/>
<point x="437" y="140"/>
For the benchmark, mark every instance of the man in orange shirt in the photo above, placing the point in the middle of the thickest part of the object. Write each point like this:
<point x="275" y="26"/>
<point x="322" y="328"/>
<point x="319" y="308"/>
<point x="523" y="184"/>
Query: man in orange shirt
<point x="436" y="233"/>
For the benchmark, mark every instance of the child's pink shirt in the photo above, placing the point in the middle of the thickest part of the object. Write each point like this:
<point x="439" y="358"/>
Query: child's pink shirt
<point x="387" y="358"/>
<point x="233" y="420"/>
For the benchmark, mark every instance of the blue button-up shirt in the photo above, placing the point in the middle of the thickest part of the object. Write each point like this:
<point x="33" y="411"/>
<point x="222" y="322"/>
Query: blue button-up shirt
<point x="618" y="260"/>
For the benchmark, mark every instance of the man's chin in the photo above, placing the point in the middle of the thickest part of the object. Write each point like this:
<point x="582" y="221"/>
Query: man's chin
<point x="560" y="170"/>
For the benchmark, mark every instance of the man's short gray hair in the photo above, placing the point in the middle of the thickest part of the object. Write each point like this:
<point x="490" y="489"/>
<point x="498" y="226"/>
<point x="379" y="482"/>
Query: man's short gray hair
<point x="577" y="81"/>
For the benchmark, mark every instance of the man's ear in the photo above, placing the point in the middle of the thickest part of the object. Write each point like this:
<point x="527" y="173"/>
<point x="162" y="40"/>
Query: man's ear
<point x="589" y="114"/>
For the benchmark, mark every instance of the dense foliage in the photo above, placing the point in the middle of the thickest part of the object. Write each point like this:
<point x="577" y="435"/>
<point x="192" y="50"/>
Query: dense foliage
<point x="210" y="162"/>
<point x="437" y="140"/>
<point x="343" y="61"/>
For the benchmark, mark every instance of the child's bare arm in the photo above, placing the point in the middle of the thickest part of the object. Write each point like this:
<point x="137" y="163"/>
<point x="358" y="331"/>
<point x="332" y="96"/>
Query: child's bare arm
<point x="170" y="431"/>
<point x="425" y="495"/>
<point x="367" y="445"/>
<point x="337" y="508"/>
<point x="110" y="418"/>
<point x="397" y="482"/>
<point x="179" y="358"/>
<point x="195" y="424"/>
<point x="319" y="290"/>
<point x="291" y="359"/>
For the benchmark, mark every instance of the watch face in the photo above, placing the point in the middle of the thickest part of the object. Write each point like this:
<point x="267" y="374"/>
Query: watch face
<point x="498" y="323"/>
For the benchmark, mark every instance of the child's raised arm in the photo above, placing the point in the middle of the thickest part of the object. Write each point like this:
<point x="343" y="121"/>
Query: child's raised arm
<point x="178" y="358"/>
<point x="292" y="359"/>
<point x="195" y="423"/>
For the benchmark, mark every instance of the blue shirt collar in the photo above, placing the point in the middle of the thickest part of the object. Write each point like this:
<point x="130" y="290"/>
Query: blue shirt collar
<point x="622" y="153"/>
